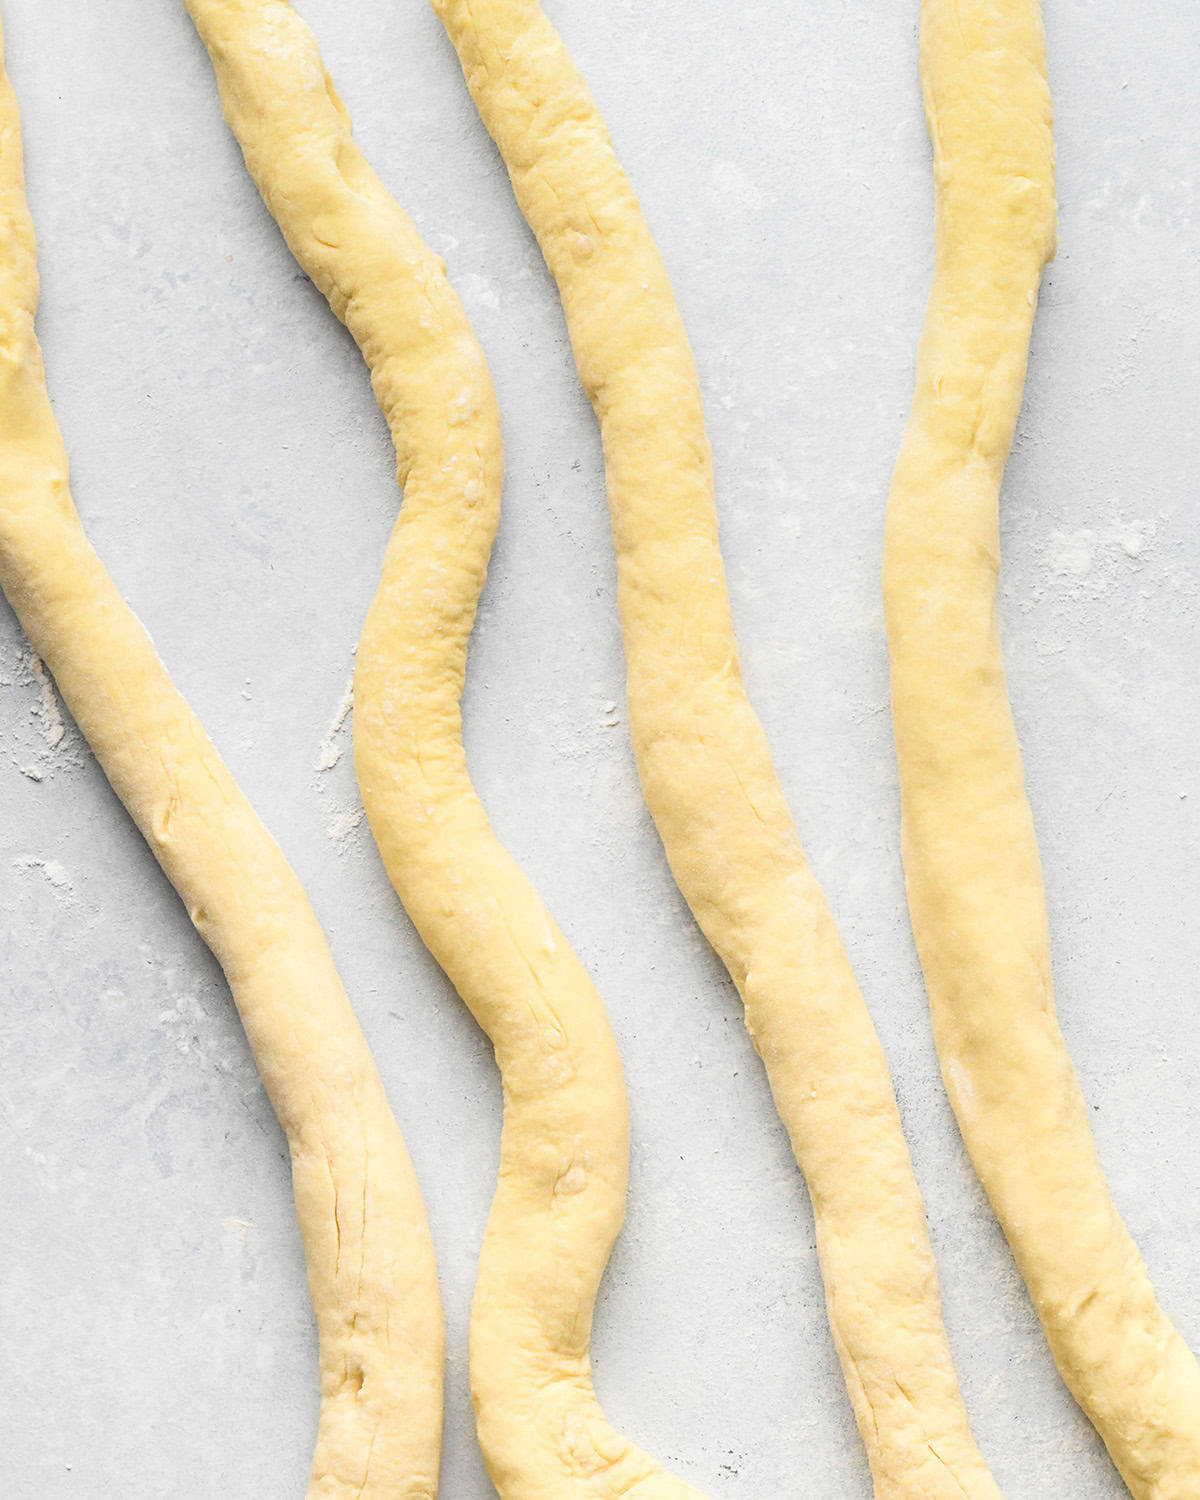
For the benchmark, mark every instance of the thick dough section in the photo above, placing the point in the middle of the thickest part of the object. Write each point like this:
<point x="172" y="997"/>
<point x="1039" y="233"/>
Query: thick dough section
<point x="704" y="761"/>
<point x="564" y="1148"/>
<point x="370" y="1261"/>
<point x="971" y="860"/>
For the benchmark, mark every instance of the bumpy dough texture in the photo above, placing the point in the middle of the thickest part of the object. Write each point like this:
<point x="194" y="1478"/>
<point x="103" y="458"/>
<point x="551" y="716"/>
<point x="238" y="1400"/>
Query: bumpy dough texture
<point x="974" y="879"/>
<point x="704" y="761"/>
<point x="370" y="1261"/>
<point x="564" y="1149"/>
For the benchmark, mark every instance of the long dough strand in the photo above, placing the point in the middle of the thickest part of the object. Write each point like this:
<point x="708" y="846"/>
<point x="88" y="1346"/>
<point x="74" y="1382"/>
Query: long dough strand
<point x="564" y="1148"/>
<point x="370" y="1262"/>
<point x="971" y="861"/>
<point x="704" y="761"/>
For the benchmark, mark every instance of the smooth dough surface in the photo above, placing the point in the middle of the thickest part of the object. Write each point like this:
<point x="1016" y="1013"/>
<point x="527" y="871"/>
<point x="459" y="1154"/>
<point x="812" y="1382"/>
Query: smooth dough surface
<point x="366" y="1241"/>
<point x="971" y="860"/>
<point x="564" y="1148"/>
<point x="705" y="765"/>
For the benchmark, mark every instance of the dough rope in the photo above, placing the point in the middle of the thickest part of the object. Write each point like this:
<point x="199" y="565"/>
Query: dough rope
<point x="704" y="762"/>
<point x="971" y="861"/>
<point x="564" y="1148"/>
<point x="370" y="1262"/>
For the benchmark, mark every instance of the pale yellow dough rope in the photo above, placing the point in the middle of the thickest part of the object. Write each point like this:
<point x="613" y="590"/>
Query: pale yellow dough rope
<point x="704" y="762"/>
<point x="564" y="1148"/>
<point x="971" y="860"/>
<point x="370" y="1261"/>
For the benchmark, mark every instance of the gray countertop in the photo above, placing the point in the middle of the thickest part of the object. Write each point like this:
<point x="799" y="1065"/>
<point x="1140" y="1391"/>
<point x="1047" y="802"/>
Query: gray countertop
<point x="234" y="474"/>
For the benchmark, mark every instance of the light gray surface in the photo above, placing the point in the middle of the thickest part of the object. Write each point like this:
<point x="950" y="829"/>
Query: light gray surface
<point x="235" y="476"/>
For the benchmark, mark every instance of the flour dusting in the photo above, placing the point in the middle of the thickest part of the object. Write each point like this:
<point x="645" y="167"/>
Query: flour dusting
<point x="46" y="708"/>
<point x="1089" y="558"/>
<point x="1071" y="553"/>
<point x="478" y="291"/>
<point x="342" y="827"/>
<point x="329" y="752"/>
<point x="36" y="738"/>
<point x="51" y="871"/>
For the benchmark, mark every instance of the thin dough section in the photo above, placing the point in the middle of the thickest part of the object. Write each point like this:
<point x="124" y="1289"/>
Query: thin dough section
<point x="564" y="1148"/>
<point x="703" y="758"/>
<point x="370" y="1262"/>
<point x="971" y="860"/>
